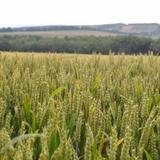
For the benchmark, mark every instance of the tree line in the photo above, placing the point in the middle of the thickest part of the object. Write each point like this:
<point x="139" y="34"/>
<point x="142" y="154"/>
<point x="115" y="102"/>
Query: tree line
<point x="86" y="45"/>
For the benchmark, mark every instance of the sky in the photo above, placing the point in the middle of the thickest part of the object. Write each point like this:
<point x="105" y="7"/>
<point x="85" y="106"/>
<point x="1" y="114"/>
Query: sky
<point x="16" y="13"/>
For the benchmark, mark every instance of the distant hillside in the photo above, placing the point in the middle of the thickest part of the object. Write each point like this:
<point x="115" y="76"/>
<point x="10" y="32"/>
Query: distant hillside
<point x="61" y="33"/>
<point x="144" y="29"/>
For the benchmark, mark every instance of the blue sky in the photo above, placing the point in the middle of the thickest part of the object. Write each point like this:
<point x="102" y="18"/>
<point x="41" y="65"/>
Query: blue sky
<point x="69" y="12"/>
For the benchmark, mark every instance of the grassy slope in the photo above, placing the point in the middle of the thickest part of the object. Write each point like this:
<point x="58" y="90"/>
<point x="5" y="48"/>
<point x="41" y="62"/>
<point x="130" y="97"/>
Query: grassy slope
<point x="61" y="33"/>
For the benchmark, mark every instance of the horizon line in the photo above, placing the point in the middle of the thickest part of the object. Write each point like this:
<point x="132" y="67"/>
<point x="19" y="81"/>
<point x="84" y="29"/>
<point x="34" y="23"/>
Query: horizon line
<point x="46" y="25"/>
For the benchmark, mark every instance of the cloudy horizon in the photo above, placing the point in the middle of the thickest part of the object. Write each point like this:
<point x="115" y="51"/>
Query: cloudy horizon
<point x="18" y="13"/>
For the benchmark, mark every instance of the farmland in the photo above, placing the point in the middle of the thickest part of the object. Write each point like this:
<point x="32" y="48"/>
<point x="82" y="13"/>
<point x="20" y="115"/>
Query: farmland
<point x="60" y="34"/>
<point x="79" y="107"/>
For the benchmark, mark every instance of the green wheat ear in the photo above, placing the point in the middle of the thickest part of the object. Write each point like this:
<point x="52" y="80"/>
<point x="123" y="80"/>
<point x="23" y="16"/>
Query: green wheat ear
<point x="76" y="107"/>
<point x="15" y="140"/>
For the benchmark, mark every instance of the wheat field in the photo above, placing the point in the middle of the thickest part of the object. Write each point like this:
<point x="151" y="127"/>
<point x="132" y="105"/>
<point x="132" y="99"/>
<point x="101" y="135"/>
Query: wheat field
<point x="79" y="107"/>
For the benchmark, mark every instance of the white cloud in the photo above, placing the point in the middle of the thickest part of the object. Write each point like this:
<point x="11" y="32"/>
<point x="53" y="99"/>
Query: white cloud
<point x="44" y="12"/>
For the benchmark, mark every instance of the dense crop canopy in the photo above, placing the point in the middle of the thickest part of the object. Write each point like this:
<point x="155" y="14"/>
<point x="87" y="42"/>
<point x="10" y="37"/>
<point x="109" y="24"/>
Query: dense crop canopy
<point x="76" y="107"/>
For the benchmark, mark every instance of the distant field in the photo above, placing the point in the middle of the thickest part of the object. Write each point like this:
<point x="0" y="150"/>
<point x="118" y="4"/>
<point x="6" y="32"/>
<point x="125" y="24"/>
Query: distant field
<point x="61" y="33"/>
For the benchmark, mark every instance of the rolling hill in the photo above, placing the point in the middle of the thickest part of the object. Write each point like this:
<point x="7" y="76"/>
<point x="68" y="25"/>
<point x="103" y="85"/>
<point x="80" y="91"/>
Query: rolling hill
<point x="138" y="29"/>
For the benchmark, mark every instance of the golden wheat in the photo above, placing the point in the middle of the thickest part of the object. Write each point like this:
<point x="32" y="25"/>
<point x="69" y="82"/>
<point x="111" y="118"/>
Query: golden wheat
<point x="76" y="107"/>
